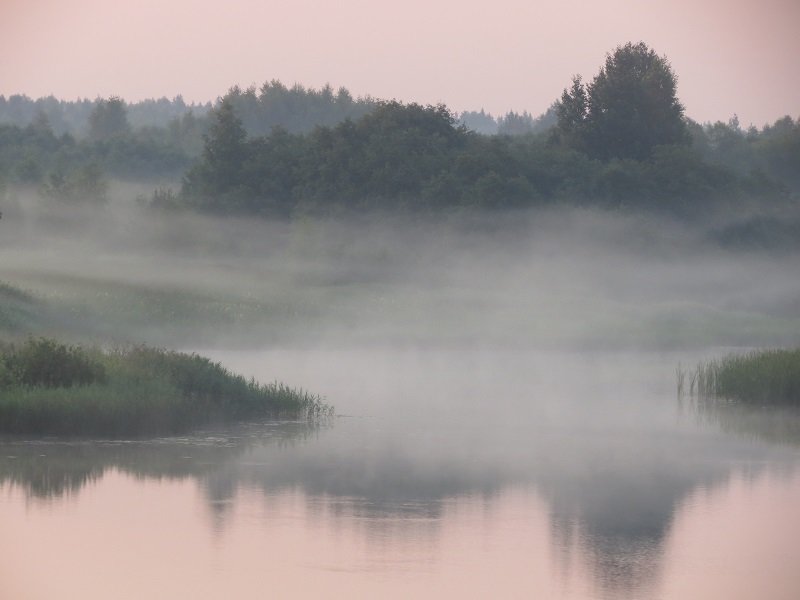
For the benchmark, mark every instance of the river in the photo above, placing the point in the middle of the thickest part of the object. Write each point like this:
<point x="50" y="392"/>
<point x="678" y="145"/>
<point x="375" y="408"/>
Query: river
<point x="469" y="472"/>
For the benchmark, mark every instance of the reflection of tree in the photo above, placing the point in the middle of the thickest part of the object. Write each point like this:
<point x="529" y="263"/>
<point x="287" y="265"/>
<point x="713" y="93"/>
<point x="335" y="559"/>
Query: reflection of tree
<point x="618" y="494"/>
<point x="776" y="425"/>
<point x="45" y="477"/>
<point x="50" y="468"/>
<point x="618" y="497"/>
<point x="612" y="496"/>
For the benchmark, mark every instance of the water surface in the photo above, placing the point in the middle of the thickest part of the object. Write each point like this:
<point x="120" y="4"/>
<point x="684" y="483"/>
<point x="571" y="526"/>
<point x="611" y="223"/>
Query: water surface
<point x="474" y="473"/>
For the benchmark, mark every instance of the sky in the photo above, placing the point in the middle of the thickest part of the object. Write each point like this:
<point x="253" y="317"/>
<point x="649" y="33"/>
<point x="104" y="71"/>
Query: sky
<point x="731" y="56"/>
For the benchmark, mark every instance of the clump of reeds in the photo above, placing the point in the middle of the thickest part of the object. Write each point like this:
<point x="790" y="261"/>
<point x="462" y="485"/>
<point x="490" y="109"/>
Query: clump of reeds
<point x="759" y="377"/>
<point x="52" y="388"/>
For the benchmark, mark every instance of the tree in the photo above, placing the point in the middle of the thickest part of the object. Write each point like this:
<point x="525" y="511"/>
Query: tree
<point x="108" y="119"/>
<point x="220" y="168"/>
<point x="571" y="114"/>
<point x="86" y="184"/>
<point x="628" y="109"/>
<point x="515" y="124"/>
<point x="225" y="143"/>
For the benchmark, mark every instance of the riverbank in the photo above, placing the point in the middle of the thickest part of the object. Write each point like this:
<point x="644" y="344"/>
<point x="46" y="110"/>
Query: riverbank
<point x="51" y="388"/>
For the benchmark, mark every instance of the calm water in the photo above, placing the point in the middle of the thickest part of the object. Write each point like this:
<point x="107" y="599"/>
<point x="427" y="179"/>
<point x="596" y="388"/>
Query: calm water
<point x="467" y="473"/>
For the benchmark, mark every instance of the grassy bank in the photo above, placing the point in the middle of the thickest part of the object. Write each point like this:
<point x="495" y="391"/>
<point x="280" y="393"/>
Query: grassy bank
<point x="769" y="377"/>
<point x="51" y="388"/>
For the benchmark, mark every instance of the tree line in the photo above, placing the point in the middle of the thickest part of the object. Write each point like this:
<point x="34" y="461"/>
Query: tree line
<point x="77" y="169"/>
<point x="620" y="140"/>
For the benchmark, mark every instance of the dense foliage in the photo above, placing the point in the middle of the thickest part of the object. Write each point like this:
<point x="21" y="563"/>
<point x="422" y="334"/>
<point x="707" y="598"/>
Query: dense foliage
<point x="48" y="387"/>
<point x="401" y="157"/>
<point x="620" y="141"/>
<point x="512" y="123"/>
<point x="296" y="109"/>
<point x="628" y="109"/>
<point x="69" y="150"/>
<point x="773" y="151"/>
<point x="63" y="166"/>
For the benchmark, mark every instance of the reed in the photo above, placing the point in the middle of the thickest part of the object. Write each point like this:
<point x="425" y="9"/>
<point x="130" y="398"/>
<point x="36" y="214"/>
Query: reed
<point x="768" y="377"/>
<point x="51" y="388"/>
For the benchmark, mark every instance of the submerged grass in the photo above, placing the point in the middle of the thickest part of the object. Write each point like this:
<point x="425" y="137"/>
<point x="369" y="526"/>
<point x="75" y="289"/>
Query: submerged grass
<point x="51" y="388"/>
<point x="767" y="377"/>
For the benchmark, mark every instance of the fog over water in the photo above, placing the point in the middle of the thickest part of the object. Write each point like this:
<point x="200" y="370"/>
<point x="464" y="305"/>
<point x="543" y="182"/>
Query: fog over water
<point x="505" y="392"/>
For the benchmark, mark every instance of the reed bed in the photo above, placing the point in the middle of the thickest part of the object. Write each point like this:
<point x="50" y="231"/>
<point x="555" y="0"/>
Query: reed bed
<point x="766" y="377"/>
<point x="50" y="388"/>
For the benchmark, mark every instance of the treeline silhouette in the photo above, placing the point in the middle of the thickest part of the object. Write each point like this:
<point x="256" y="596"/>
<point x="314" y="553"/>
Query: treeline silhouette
<point x="72" y="116"/>
<point x="412" y="157"/>
<point x="619" y="141"/>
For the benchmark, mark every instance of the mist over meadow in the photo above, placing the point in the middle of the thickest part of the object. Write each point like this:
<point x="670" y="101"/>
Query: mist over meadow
<point x="548" y="278"/>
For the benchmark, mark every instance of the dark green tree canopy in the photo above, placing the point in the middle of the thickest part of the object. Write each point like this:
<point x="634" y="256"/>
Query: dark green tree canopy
<point x="628" y="109"/>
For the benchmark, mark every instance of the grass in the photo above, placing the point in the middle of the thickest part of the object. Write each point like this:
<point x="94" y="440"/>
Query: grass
<point x="18" y="309"/>
<point x="50" y="388"/>
<point x="765" y="377"/>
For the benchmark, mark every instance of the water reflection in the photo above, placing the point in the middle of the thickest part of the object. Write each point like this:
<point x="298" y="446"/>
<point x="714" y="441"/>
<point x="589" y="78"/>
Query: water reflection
<point x="773" y="424"/>
<point x="609" y="496"/>
<point x="49" y="468"/>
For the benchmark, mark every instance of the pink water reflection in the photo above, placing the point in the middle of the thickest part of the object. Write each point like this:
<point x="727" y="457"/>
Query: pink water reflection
<point x="125" y="537"/>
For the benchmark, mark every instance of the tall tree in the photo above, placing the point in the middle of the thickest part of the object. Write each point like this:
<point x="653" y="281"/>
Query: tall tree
<point x="629" y="108"/>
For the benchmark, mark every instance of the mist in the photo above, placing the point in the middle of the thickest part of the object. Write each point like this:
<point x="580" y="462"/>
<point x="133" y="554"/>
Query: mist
<point x="565" y="278"/>
<point x="468" y="355"/>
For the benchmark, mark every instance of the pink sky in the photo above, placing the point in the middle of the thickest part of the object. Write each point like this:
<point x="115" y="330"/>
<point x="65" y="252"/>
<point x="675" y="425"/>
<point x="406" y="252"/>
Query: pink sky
<point x="731" y="56"/>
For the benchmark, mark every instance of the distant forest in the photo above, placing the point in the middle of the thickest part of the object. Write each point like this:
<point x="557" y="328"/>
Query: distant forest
<point x="297" y="109"/>
<point x="619" y="141"/>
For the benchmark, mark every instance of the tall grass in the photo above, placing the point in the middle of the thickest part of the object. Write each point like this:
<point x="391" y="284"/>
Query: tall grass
<point x="759" y="377"/>
<point x="50" y="388"/>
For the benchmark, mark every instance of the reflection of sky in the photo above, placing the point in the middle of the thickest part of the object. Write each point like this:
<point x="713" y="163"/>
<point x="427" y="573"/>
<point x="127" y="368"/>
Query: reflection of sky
<point x="567" y="506"/>
<point x="301" y="545"/>
<point x="731" y="56"/>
